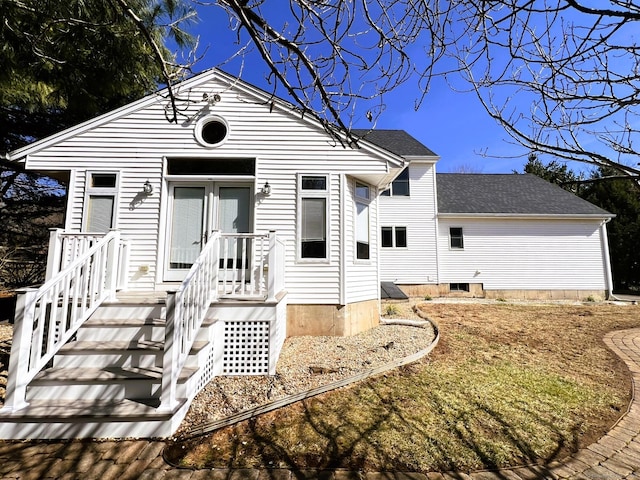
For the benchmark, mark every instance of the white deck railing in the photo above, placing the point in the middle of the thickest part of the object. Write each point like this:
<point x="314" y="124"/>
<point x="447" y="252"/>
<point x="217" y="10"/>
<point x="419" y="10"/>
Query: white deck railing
<point x="186" y="309"/>
<point x="243" y="266"/>
<point x="275" y="267"/>
<point x="48" y="316"/>
<point x="65" y="247"/>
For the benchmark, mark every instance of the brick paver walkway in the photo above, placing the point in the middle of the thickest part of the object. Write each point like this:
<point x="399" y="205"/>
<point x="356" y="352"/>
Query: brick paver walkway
<point x="614" y="456"/>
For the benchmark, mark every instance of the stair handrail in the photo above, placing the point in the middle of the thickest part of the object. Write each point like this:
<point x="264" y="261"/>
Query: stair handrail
<point x="47" y="317"/>
<point x="186" y="310"/>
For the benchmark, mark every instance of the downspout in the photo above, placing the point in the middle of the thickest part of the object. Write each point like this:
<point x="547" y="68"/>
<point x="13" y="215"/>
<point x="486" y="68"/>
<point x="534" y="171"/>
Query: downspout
<point x="436" y="223"/>
<point x="378" y="249"/>
<point x="607" y="260"/>
<point x="343" y="235"/>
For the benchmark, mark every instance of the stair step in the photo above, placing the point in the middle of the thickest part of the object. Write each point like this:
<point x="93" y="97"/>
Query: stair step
<point x="104" y="375"/>
<point x="88" y="347"/>
<point x="52" y="410"/>
<point x="94" y="383"/>
<point x="124" y="322"/>
<point x="127" y="329"/>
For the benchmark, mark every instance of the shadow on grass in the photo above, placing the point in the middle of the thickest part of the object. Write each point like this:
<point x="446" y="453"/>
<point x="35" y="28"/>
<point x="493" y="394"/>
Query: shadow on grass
<point x="319" y="435"/>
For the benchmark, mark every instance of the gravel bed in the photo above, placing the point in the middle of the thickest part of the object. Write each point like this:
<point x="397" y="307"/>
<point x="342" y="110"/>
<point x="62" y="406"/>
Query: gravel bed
<point x="307" y="362"/>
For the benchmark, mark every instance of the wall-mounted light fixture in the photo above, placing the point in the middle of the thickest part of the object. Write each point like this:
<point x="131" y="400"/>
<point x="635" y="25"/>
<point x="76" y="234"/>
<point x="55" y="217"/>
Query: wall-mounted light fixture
<point x="147" y="188"/>
<point x="266" y="189"/>
<point x="211" y="99"/>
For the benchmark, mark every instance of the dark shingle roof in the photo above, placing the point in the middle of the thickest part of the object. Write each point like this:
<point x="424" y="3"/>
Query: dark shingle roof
<point x="396" y="141"/>
<point x="508" y="194"/>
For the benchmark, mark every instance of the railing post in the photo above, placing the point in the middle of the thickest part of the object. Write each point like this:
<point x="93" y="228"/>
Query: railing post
<point x="113" y="250"/>
<point x="272" y="267"/>
<point x="215" y="266"/>
<point x="168" y="394"/>
<point x="54" y="254"/>
<point x="123" y="268"/>
<point x="20" y="350"/>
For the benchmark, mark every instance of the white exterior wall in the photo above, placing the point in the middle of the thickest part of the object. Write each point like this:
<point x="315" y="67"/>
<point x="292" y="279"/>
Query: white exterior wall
<point x="362" y="279"/>
<point x="136" y="142"/>
<point x="526" y="254"/>
<point x="416" y="264"/>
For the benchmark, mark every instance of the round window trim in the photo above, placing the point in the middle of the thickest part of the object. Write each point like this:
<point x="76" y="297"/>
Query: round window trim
<point x="211" y="131"/>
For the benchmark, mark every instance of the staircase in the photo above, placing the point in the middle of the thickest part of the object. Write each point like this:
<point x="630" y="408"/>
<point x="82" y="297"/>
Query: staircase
<point x="87" y="362"/>
<point x="106" y="381"/>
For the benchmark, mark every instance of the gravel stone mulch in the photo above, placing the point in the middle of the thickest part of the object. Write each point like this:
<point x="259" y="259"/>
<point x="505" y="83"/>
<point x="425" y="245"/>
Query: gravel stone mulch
<point x="305" y="363"/>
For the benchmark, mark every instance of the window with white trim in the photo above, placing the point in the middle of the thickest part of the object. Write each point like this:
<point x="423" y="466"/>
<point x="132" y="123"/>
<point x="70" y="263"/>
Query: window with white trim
<point x="313" y="207"/>
<point x="394" y="237"/>
<point x="456" y="238"/>
<point x="400" y="186"/>
<point x="100" y="201"/>
<point x="363" y="234"/>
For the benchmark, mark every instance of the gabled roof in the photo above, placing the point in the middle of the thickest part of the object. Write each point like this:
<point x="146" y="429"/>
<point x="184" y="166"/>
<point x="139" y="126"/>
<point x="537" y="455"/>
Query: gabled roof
<point x="396" y="141"/>
<point x="508" y="194"/>
<point x="201" y="78"/>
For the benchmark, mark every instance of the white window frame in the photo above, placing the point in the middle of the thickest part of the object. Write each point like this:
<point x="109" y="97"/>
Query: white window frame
<point x="366" y="202"/>
<point x="323" y="194"/>
<point x="394" y="243"/>
<point x="90" y="191"/>
<point x="389" y="192"/>
<point x="451" y="247"/>
<point x="200" y="124"/>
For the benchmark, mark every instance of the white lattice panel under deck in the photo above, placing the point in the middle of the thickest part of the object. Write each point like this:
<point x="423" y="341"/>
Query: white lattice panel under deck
<point x="246" y="348"/>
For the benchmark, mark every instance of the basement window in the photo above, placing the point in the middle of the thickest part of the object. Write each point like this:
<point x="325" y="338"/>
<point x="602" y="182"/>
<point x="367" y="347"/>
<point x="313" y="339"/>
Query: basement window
<point x="458" y="287"/>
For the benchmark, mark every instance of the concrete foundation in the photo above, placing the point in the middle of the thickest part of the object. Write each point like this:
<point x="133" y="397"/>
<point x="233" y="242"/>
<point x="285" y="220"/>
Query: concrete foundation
<point x="476" y="290"/>
<point x="441" y="290"/>
<point x="577" y="295"/>
<point x="332" y="320"/>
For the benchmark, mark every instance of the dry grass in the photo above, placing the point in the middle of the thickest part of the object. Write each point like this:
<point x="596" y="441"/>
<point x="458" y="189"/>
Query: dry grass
<point x="508" y="384"/>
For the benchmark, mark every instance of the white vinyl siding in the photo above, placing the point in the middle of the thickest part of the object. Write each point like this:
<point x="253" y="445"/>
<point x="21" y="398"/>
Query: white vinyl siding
<point x="137" y="143"/>
<point x="415" y="264"/>
<point x="524" y="254"/>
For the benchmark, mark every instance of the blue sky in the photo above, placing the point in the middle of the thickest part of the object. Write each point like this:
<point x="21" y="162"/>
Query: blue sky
<point x="452" y="124"/>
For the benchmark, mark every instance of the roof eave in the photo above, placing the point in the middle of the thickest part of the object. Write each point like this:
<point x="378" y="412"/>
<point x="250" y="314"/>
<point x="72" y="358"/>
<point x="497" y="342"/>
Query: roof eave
<point x="422" y="158"/>
<point x="530" y="216"/>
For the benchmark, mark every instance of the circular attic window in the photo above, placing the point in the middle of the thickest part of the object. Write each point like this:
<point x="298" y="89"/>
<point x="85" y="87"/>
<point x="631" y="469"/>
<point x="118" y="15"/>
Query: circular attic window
<point x="211" y="131"/>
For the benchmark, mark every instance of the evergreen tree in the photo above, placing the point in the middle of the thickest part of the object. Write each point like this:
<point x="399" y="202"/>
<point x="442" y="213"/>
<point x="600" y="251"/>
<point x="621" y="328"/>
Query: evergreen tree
<point x="553" y="172"/>
<point x="63" y="62"/>
<point x="620" y="196"/>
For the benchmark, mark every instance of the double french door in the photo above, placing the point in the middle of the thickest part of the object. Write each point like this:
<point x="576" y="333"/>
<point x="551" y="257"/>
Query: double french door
<point x="195" y="210"/>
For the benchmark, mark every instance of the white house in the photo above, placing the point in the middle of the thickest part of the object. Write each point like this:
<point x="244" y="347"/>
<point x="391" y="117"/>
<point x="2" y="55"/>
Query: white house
<point x="192" y="249"/>
<point x="496" y="236"/>
<point x="188" y="250"/>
